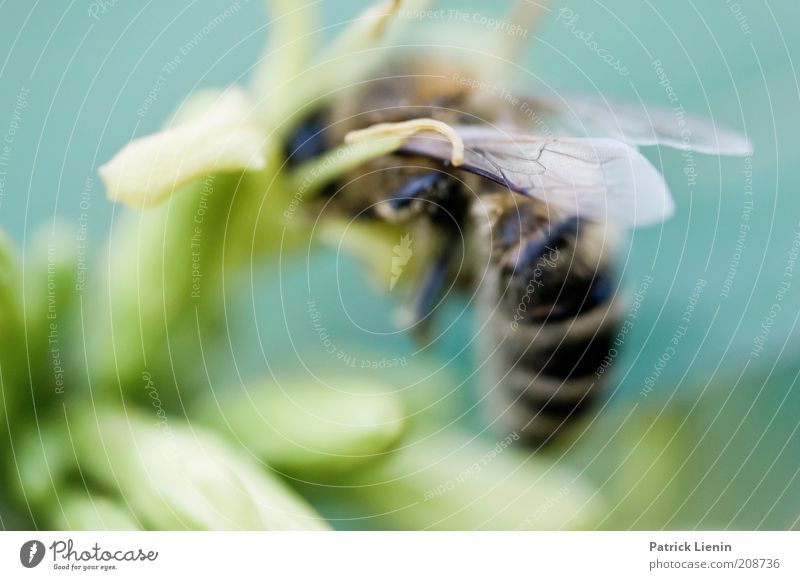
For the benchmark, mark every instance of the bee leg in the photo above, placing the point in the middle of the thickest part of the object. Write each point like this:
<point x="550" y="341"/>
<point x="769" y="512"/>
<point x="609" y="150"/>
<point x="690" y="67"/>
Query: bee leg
<point x="431" y="290"/>
<point x="414" y="189"/>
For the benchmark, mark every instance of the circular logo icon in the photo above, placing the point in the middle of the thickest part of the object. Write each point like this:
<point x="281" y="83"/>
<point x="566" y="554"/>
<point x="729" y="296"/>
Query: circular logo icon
<point x="31" y="553"/>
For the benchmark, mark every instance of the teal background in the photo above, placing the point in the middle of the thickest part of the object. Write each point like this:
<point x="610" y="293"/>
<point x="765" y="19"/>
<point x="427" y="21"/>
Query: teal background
<point x="87" y="77"/>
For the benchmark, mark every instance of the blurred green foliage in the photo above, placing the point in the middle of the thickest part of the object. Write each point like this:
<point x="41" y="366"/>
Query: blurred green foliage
<point x="85" y="402"/>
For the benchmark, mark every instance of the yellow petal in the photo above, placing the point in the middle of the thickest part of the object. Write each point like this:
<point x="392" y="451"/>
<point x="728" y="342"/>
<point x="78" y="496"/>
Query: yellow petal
<point x="346" y="59"/>
<point x="526" y="16"/>
<point x="290" y="46"/>
<point x="148" y="170"/>
<point x="407" y="129"/>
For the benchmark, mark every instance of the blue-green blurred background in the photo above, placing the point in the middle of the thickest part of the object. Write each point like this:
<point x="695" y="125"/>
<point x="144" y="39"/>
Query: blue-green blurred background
<point x="75" y="78"/>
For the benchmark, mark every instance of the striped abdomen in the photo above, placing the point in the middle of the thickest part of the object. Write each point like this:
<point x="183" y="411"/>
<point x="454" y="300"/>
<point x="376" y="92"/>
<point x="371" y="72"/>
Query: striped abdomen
<point x="550" y="319"/>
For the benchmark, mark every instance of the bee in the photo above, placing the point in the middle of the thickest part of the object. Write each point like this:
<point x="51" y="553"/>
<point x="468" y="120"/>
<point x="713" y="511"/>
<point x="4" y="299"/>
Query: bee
<point x="523" y="208"/>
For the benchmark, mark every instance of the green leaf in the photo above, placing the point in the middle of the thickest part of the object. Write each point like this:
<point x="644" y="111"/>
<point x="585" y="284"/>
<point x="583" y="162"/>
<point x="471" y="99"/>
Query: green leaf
<point x="82" y="512"/>
<point x="448" y="481"/>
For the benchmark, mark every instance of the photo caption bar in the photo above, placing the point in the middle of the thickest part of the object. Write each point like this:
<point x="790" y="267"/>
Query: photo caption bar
<point x="355" y="555"/>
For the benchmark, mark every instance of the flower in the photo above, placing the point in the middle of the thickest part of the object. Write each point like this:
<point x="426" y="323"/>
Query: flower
<point x="225" y="138"/>
<point x="234" y="132"/>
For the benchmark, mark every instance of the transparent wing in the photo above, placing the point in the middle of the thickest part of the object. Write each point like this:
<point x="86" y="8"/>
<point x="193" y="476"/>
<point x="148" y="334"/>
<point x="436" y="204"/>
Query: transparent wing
<point x="600" y="179"/>
<point x="640" y="126"/>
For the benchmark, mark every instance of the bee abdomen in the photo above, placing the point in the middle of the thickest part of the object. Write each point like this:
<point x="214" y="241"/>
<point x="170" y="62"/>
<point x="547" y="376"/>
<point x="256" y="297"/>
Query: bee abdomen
<point x="552" y="326"/>
<point x="553" y="379"/>
<point x="569" y="350"/>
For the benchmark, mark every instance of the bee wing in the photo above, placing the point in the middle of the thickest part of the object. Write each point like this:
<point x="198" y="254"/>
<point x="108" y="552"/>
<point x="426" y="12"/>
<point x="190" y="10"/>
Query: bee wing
<point x="600" y="179"/>
<point x="641" y="126"/>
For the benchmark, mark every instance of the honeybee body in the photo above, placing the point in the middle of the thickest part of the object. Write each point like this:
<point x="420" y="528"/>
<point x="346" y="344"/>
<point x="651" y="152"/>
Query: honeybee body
<point x="543" y="277"/>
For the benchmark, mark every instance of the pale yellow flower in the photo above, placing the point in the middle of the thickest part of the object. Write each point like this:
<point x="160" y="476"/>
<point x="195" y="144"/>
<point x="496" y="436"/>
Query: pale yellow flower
<point x="224" y="138"/>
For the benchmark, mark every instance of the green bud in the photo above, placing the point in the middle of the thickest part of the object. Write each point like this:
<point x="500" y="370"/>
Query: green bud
<point x="52" y="318"/>
<point x="166" y="264"/>
<point x="311" y="431"/>
<point x="164" y="270"/>
<point x="178" y="477"/>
